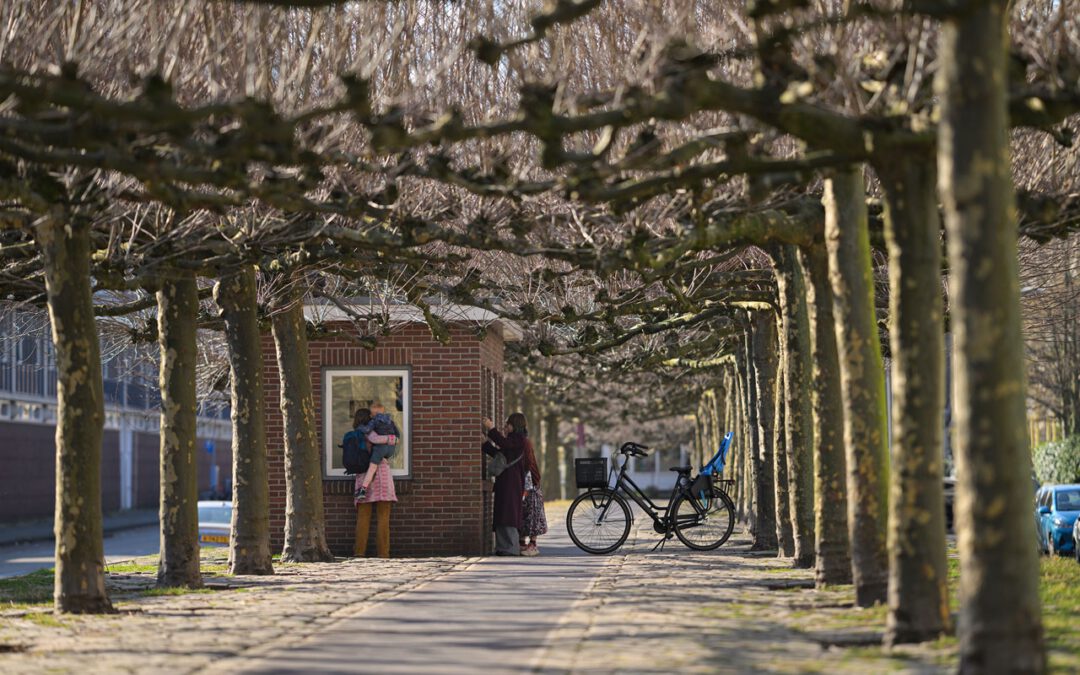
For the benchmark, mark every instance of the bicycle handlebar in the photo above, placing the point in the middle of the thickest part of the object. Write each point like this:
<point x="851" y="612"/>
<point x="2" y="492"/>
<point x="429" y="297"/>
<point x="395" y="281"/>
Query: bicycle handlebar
<point x="631" y="448"/>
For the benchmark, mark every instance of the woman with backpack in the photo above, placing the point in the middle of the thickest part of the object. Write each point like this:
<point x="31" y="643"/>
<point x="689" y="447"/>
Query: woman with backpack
<point x="510" y="482"/>
<point x="380" y="492"/>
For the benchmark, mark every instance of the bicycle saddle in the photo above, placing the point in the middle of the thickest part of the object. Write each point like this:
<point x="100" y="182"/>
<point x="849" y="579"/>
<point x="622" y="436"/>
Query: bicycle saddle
<point x="680" y="469"/>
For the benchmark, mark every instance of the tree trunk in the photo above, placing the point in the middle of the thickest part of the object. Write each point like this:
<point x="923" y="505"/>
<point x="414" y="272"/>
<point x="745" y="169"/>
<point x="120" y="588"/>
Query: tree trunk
<point x="249" y="542"/>
<point x="178" y="310"/>
<point x="745" y="494"/>
<point x="795" y="349"/>
<point x="918" y="592"/>
<point x="570" y="482"/>
<point x="753" y="450"/>
<point x="513" y="396"/>
<point x="80" y="582"/>
<point x="534" y="419"/>
<point x="305" y="536"/>
<point x="862" y="381"/>
<point x="999" y="626"/>
<point x="551" y="455"/>
<point x="764" y="354"/>
<point x="830" y="483"/>
<point x="737" y="440"/>
<point x="785" y="531"/>
<point x="718" y="410"/>
<point x="699" y="434"/>
<point x="533" y="412"/>
<point x="748" y="461"/>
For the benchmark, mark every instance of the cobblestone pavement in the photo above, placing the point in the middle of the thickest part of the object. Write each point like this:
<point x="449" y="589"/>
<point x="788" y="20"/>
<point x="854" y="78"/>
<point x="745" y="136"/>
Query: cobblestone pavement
<point x="190" y="632"/>
<point x="493" y="611"/>
<point x="729" y="610"/>
<point x="637" y="611"/>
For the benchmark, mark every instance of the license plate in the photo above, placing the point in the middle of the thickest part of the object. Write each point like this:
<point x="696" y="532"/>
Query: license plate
<point x="215" y="538"/>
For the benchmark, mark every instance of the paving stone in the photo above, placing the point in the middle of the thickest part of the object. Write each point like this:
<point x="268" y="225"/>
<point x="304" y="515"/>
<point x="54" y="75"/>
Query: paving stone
<point x="639" y="611"/>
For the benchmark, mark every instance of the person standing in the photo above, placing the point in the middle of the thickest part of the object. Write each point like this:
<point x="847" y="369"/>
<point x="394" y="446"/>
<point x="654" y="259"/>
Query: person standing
<point x="379" y="497"/>
<point x="533" y="518"/>
<point x="381" y="434"/>
<point x="510" y="484"/>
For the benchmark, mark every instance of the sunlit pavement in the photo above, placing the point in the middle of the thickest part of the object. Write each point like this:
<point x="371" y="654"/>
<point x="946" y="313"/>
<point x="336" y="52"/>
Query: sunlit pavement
<point x="19" y="559"/>
<point x="496" y="614"/>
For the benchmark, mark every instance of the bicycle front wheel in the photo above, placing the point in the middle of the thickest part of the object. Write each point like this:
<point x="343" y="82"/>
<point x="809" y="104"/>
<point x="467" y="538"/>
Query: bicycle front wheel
<point x="598" y="521"/>
<point x="704" y="522"/>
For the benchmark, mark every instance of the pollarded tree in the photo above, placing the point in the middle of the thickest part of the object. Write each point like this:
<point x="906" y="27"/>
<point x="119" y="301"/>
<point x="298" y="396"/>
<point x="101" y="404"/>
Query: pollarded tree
<point x="862" y="381"/>
<point x="833" y="565"/>
<point x="249" y="537"/>
<point x="64" y="240"/>
<point x="765" y="366"/>
<point x="1000" y="628"/>
<point x="305" y="530"/>
<point x="795" y="365"/>
<point x="918" y="593"/>
<point x="178" y="310"/>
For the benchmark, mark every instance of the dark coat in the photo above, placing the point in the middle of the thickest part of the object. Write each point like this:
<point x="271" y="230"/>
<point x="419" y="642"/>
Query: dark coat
<point x="510" y="484"/>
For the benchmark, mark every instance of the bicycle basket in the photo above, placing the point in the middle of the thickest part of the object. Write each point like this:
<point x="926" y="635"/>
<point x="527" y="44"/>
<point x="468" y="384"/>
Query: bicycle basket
<point x="591" y="472"/>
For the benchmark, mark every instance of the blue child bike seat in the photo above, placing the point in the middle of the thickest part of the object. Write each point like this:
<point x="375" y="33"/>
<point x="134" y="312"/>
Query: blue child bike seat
<point x="715" y="466"/>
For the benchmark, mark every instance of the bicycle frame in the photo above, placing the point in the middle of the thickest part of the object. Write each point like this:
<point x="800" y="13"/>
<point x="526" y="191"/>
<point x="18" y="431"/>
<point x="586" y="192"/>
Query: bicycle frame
<point x="626" y="485"/>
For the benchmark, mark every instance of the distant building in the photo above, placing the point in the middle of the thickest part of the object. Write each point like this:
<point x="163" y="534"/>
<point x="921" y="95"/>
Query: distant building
<point x="130" y="451"/>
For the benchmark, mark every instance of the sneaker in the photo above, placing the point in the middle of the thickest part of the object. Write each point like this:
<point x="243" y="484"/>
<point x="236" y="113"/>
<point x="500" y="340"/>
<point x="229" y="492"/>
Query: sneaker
<point x="530" y="551"/>
<point x="360" y="493"/>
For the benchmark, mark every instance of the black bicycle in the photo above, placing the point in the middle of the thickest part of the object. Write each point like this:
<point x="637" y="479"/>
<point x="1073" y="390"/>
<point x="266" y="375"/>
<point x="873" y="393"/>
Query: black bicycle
<point x="698" y="512"/>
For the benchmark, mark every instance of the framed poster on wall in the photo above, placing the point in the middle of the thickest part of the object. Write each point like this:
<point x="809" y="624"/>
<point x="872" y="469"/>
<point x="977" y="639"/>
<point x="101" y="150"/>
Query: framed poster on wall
<point x="347" y="389"/>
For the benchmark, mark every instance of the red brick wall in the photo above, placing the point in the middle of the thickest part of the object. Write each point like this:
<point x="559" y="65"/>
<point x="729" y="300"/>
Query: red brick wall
<point x="441" y="508"/>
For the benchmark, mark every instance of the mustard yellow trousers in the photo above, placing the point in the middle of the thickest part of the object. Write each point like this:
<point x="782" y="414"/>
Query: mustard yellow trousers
<point x="382" y="529"/>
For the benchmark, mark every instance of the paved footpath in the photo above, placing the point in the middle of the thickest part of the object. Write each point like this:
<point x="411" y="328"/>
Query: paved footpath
<point x="636" y="611"/>
<point x="497" y="612"/>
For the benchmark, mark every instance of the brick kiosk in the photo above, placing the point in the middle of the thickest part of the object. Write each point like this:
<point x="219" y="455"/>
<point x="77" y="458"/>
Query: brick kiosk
<point x="444" y="502"/>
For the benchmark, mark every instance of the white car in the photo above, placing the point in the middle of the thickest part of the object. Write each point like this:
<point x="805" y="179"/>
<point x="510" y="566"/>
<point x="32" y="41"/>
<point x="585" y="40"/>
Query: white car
<point x="215" y="523"/>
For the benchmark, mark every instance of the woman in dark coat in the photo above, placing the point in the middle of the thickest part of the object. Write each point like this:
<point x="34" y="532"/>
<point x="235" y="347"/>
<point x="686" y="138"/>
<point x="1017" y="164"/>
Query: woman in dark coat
<point x="510" y="484"/>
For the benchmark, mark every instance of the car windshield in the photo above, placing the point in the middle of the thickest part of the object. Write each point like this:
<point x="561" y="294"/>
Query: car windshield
<point x="215" y="514"/>
<point x="1068" y="500"/>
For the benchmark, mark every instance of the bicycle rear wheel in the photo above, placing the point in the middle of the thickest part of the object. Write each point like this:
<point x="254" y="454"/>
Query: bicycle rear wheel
<point x="598" y="521"/>
<point x="704" y="523"/>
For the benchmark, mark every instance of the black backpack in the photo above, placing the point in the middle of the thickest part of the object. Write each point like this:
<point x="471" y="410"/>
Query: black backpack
<point x="355" y="453"/>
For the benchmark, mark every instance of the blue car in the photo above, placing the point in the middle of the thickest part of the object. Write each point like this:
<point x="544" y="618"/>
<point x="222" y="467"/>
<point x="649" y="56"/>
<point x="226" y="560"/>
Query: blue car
<point x="1056" y="509"/>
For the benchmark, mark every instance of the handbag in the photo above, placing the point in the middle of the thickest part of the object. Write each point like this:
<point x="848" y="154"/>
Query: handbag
<point x="497" y="464"/>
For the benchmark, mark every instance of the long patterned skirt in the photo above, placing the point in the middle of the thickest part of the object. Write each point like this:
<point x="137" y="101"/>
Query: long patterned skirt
<point x="533" y="517"/>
